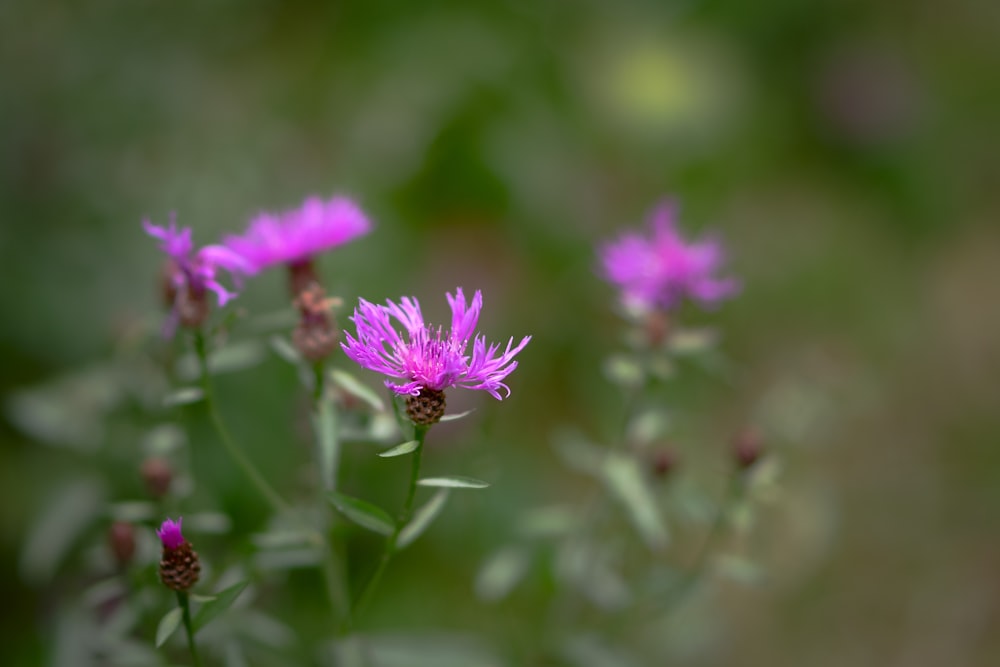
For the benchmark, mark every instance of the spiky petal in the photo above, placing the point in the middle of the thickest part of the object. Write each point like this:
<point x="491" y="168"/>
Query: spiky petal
<point x="295" y="236"/>
<point x="661" y="270"/>
<point x="431" y="358"/>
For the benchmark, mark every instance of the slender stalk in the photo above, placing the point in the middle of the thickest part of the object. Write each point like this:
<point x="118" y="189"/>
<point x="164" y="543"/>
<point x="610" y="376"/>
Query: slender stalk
<point x="245" y="464"/>
<point x="182" y="599"/>
<point x="331" y="565"/>
<point x="404" y="517"/>
<point x="699" y="566"/>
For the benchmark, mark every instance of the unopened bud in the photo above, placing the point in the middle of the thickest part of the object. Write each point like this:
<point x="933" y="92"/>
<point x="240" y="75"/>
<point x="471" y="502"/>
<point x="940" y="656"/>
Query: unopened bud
<point x="747" y="448"/>
<point x="663" y="462"/>
<point x="157" y="474"/>
<point x="121" y="539"/>
<point x="315" y="336"/>
<point x="179" y="564"/>
<point x="657" y="327"/>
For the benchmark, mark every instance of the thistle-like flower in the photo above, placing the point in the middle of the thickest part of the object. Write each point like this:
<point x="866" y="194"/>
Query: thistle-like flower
<point x="430" y="360"/>
<point x="189" y="275"/>
<point x="294" y="237"/>
<point x="658" y="272"/>
<point x="179" y="564"/>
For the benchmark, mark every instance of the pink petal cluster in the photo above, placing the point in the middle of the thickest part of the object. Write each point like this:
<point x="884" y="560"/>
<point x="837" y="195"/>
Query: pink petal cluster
<point x="170" y="533"/>
<point x="659" y="271"/>
<point x="295" y="236"/>
<point x="195" y="271"/>
<point x="426" y="357"/>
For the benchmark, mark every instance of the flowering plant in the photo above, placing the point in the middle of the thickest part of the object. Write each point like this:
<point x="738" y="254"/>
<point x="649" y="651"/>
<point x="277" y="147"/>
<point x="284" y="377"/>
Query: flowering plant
<point x="612" y="563"/>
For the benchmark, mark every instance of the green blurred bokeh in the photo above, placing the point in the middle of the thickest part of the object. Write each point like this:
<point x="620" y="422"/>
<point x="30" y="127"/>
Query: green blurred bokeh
<point x="847" y="151"/>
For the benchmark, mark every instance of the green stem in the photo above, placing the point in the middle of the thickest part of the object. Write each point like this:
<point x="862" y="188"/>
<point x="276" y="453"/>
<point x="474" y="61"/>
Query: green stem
<point x="265" y="489"/>
<point x="699" y="566"/>
<point x="182" y="599"/>
<point x="331" y="565"/>
<point x="404" y="517"/>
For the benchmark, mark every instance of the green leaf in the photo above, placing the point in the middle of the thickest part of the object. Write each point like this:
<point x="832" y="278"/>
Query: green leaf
<point x="627" y="483"/>
<point x="168" y="624"/>
<point x="454" y="482"/>
<point x="214" y="523"/>
<point x="399" y="450"/>
<point x="183" y="396"/>
<point x="285" y="350"/>
<point x="422" y="519"/>
<point x="67" y="515"/>
<point x="692" y="341"/>
<point x="325" y="426"/>
<point x="363" y="513"/>
<point x="356" y="388"/>
<point x="224" y="599"/>
<point x="288" y="559"/>
<point x="502" y="572"/>
<point x="456" y="416"/>
<point x="624" y="371"/>
<point x="132" y="511"/>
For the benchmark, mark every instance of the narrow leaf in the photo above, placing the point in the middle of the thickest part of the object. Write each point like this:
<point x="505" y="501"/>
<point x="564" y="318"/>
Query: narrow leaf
<point x="502" y="572"/>
<point x="626" y="482"/>
<point x="325" y="427"/>
<point x="356" y="388"/>
<point x="454" y="482"/>
<point x="363" y="513"/>
<point x="67" y="515"/>
<point x="422" y="518"/>
<point x="224" y="599"/>
<point x="183" y="396"/>
<point x="285" y="350"/>
<point x="399" y="450"/>
<point x="457" y="415"/>
<point x="170" y="622"/>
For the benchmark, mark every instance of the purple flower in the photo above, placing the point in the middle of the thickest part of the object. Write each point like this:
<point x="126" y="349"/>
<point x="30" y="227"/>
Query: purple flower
<point x="660" y="271"/>
<point x="190" y="274"/>
<point x="170" y="533"/>
<point x="294" y="237"/>
<point x="427" y="357"/>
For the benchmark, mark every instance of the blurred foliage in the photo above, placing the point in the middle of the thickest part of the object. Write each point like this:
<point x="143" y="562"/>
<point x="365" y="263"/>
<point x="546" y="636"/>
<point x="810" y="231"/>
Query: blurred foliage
<point x="846" y="150"/>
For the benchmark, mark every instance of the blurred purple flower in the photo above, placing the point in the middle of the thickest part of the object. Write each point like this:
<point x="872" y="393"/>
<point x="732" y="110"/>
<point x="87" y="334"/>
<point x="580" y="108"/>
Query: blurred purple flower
<point x="190" y="274"/>
<point x="661" y="270"/>
<point x="429" y="358"/>
<point x="295" y="236"/>
<point x="170" y="533"/>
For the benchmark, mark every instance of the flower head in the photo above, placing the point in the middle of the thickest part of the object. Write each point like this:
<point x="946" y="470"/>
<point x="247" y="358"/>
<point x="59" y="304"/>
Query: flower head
<point x="295" y="236"/>
<point x="170" y="533"/>
<point x="659" y="271"/>
<point x="427" y="358"/>
<point x="191" y="274"/>
<point x="180" y="566"/>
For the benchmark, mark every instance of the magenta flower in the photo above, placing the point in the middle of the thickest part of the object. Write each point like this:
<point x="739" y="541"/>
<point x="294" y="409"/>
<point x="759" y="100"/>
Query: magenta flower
<point x="294" y="237"/>
<point x="660" y="271"/>
<point x="429" y="358"/>
<point x="170" y="533"/>
<point x="190" y="274"/>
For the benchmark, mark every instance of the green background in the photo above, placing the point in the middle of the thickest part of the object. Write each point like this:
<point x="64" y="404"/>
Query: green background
<point x="846" y="151"/>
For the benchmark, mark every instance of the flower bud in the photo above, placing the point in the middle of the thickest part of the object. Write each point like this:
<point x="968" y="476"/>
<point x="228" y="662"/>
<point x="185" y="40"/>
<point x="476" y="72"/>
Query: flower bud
<point x="157" y="474"/>
<point x="179" y="565"/>
<point x="315" y="336"/>
<point x="747" y="448"/>
<point x="121" y="539"/>
<point x="662" y="462"/>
